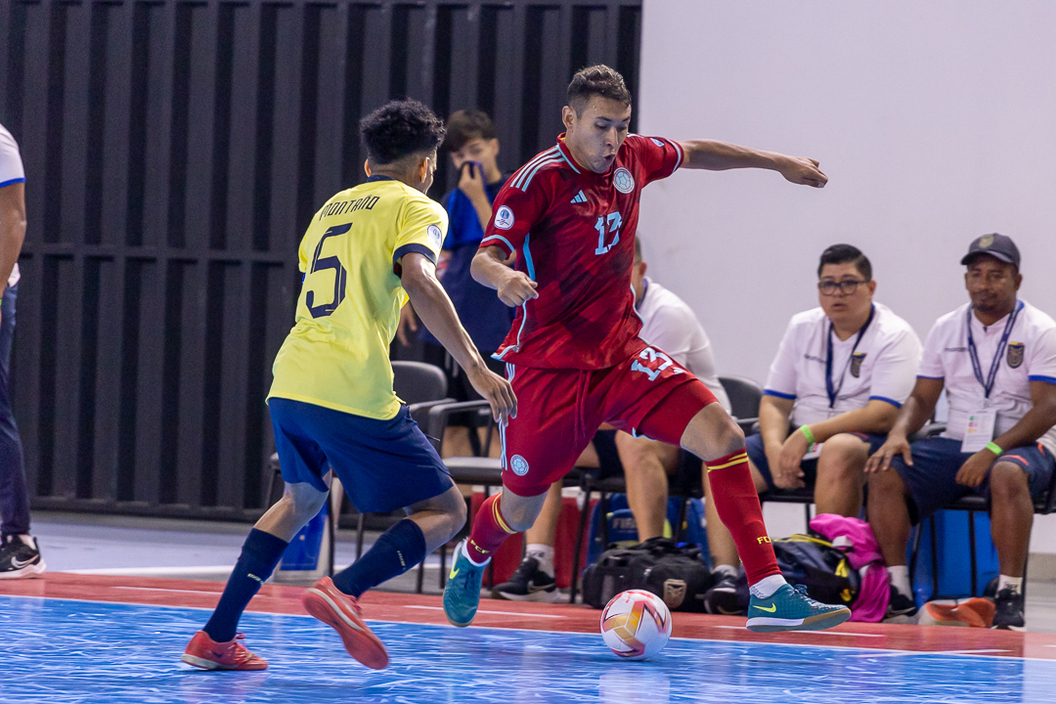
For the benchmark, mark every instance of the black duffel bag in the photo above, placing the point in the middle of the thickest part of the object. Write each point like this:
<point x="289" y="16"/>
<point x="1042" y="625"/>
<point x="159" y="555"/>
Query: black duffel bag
<point x="673" y="572"/>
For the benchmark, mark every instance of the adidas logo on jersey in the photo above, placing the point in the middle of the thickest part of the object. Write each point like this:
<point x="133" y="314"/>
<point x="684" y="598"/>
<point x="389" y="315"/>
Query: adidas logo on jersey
<point x="580" y="198"/>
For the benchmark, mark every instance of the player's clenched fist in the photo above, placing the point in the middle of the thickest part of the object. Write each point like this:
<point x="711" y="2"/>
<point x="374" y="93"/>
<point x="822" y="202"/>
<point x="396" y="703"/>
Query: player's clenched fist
<point x="803" y="171"/>
<point x="517" y="288"/>
<point x="497" y="391"/>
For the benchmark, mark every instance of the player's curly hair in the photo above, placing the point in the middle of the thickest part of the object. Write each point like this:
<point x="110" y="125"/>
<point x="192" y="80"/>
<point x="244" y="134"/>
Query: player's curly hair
<point x="400" y="128"/>
<point x="596" y="80"/>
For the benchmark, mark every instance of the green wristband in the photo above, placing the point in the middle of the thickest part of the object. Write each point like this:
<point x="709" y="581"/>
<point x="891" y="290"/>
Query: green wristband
<point x="808" y="435"/>
<point x="995" y="448"/>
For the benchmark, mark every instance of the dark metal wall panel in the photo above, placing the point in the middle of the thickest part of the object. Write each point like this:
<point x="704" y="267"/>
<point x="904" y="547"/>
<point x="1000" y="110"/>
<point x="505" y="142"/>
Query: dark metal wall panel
<point x="175" y="151"/>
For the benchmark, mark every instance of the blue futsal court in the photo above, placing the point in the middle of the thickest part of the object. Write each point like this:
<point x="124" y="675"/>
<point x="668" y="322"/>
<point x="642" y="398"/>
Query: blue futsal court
<point x="63" y="650"/>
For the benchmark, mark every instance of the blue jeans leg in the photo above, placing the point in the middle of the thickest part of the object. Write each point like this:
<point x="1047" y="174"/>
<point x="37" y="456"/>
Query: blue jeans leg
<point x="14" y="499"/>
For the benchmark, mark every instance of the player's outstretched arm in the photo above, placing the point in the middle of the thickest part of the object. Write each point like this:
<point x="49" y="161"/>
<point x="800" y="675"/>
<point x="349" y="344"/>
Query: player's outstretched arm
<point x="488" y="269"/>
<point x="719" y="156"/>
<point x="434" y="308"/>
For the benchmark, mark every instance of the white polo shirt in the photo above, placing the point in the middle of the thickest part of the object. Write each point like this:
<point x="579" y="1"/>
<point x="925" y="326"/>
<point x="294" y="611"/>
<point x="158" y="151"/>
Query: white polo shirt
<point x="671" y="325"/>
<point x="883" y="366"/>
<point x="11" y="171"/>
<point x="1030" y="355"/>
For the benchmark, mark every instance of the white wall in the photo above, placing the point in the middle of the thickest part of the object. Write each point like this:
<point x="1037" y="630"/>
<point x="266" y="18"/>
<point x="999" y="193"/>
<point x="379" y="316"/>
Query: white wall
<point x="935" y="121"/>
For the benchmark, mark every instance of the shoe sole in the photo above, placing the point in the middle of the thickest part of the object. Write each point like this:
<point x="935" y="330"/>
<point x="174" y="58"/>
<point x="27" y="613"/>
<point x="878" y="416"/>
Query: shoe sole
<point x="819" y="622"/>
<point x="542" y="596"/>
<point x="360" y="642"/>
<point x="1018" y="629"/>
<point x="213" y="665"/>
<point x="27" y="572"/>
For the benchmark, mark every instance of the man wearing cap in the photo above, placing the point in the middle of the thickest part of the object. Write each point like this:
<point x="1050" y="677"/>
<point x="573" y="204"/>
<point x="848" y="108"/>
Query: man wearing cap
<point x="996" y="358"/>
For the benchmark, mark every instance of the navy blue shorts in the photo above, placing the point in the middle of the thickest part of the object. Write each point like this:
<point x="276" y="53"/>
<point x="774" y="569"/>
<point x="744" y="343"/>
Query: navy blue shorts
<point x="756" y="453"/>
<point x="931" y="482"/>
<point x="383" y="465"/>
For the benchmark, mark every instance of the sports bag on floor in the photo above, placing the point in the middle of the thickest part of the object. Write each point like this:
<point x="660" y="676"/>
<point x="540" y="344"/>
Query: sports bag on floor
<point x="672" y="571"/>
<point x="823" y="569"/>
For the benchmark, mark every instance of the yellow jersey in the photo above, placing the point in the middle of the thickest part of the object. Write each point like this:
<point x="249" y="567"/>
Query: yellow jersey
<point x="337" y="354"/>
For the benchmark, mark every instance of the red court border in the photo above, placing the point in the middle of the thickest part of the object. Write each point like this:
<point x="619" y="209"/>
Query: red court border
<point x="415" y="608"/>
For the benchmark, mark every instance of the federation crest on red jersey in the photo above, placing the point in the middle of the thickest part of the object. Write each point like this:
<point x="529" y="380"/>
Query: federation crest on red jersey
<point x="573" y="232"/>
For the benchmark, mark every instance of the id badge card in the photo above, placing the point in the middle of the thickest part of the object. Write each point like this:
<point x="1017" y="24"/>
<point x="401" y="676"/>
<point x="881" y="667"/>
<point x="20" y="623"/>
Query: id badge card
<point x="980" y="430"/>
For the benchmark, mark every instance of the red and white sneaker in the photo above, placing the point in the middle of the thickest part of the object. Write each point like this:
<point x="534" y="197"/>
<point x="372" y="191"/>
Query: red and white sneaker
<point x="206" y="653"/>
<point x="342" y="613"/>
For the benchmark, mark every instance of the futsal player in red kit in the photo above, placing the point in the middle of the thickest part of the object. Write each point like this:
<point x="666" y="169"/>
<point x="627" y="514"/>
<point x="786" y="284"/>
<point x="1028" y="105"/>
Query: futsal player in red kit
<point x="574" y="356"/>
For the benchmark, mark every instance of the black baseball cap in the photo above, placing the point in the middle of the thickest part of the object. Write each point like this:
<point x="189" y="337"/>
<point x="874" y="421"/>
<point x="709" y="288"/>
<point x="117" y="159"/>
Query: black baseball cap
<point x="997" y="246"/>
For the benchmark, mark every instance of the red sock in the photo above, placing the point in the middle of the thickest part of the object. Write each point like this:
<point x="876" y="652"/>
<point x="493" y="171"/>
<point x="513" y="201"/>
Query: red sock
<point x="737" y="502"/>
<point x="489" y="531"/>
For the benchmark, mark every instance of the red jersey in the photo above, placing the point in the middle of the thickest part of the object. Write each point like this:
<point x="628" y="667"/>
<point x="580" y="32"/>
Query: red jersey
<point x="573" y="232"/>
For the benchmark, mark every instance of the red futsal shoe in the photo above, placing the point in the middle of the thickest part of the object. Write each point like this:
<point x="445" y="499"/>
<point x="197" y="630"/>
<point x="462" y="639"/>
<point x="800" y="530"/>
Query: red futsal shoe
<point x="342" y="613"/>
<point x="206" y="653"/>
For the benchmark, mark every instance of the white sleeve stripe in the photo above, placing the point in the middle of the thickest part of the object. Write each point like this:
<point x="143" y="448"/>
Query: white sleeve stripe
<point x="678" y="148"/>
<point x="518" y="178"/>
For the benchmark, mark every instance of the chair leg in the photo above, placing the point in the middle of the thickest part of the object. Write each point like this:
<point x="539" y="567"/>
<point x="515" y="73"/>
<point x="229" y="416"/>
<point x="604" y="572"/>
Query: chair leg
<point x="577" y="550"/>
<point x="918" y="533"/>
<point x="443" y="565"/>
<point x="972" y="557"/>
<point x="359" y="536"/>
<point x="934" y="559"/>
<point x="420" y="586"/>
<point x="676" y="531"/>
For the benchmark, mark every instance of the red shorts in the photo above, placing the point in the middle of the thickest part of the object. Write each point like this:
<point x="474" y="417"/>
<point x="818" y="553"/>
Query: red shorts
<point x="558" y="411"/>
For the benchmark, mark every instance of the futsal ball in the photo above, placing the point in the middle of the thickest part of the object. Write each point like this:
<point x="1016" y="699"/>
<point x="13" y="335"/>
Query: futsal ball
<point x="636" y="624"/>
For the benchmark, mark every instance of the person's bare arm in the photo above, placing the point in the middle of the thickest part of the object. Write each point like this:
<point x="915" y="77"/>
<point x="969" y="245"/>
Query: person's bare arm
<point x="12" y="227"/>
<point x="876" y="417"/>
<point x="719" y="156"/>
<point x="488" y="269"/>
<point x="914" y="413"/>
<point x="1035" y="423"/>
<point x="434" y="308"/>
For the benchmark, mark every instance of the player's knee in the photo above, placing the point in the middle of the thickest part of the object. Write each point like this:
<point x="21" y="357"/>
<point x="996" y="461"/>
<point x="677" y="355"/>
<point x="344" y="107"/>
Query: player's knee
<point x="1007" y="481"/>
<point x="303" y="500"/>
<point x="843" y="458"/>
<point x="730" y="435"/>
<point x="885" y="485"/>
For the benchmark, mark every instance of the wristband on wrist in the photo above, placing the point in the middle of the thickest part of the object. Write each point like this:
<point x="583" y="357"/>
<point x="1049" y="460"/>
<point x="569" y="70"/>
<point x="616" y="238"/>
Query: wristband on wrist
<point x="995" y="448"/>
<point x="808" y="435"/>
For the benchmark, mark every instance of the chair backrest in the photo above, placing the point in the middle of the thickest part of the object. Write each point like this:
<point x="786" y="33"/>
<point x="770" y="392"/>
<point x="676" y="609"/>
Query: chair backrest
<point x="745" y="395"/>
<point x="415" y="382"/>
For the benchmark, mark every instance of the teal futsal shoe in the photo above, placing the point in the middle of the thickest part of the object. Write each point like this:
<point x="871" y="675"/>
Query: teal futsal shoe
<point x="462" y="593"/>
<point x="790" y="609"/>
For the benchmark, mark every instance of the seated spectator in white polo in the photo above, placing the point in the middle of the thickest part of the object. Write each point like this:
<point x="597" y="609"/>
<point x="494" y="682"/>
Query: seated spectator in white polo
<point x="669" y="324"/>
<point x="996" y="358"/>
<point x="840" y="375"/>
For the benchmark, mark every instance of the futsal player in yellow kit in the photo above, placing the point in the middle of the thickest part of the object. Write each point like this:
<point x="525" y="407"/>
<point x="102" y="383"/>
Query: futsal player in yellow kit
<point x="332" y="406"/>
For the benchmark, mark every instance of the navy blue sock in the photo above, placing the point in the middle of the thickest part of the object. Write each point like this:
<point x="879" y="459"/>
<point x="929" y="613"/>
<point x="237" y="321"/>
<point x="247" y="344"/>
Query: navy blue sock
<point x="397" y="550"/>
<point x="260" y="553"/>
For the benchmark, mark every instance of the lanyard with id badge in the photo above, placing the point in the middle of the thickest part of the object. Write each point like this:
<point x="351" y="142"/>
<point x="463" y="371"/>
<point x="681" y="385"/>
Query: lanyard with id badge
<point x="979" y="431"/>
<point x="830" y="386"/>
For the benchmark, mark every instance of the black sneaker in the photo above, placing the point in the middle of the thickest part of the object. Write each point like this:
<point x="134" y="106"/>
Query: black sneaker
<point x="528" y="583"/>
<point x="722" y="598"/>
<point x="1009" y="614"/>
<point x="18" y="559"/>
<point x="900" y="608"/>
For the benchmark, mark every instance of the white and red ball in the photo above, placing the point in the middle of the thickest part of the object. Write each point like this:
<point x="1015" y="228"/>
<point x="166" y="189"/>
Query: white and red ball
<point x="636" y="624"/>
